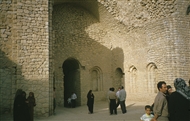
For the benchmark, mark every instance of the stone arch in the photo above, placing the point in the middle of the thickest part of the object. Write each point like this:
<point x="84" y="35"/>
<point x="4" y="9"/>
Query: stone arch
<point x="119" y="77"/>
<point x="132" y="79"/>
<point x="152" y="77"/>
<point x="71" y="70"/>
<point x="96" y="79"/>
<point x="188" y="10"/>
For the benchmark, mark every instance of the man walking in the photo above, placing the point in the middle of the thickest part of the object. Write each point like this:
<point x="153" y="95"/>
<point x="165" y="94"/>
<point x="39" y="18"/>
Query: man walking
<point x="122" y="97"/>
<point x="160" y="108"/>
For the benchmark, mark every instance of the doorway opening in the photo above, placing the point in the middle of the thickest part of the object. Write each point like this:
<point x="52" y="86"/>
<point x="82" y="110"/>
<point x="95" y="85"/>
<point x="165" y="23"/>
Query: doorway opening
<point x="119" y="77"/>
<point x="71" y="80"/>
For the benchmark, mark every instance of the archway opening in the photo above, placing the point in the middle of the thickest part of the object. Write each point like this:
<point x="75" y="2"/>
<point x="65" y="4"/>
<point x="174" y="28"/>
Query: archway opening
<point x="119" y="77"/>
<point x="71" y="80"/>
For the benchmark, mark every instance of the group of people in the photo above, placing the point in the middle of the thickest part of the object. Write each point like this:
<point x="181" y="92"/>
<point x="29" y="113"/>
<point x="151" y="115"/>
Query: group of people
<point x="23" y="108"/>
<point x="168" y="105"/>
<point x="116" y="99"/>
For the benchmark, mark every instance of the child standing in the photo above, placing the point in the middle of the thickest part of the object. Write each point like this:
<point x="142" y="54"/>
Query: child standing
<point x="147" y="116"/>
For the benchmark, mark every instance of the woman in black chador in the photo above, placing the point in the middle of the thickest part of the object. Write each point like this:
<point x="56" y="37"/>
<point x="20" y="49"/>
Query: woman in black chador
<point x="31" y="105"/>
<point x="179" y="102"/>
<point x="17" y="115"/>
<point x="20" y="112"/>
<point x="90" y="101"/>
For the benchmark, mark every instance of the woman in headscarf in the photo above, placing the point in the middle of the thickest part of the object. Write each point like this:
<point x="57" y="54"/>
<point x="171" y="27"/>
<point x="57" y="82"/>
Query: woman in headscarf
<point x="17" y="115"/>
<point x="24" y="107"/>
<point x="90" y="101"/>
<point x="31" y="104"/>
<point x="179" y="102"/>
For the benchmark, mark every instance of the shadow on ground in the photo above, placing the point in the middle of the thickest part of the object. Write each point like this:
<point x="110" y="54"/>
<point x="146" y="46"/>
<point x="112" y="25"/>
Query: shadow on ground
<point x="101" y="113"/>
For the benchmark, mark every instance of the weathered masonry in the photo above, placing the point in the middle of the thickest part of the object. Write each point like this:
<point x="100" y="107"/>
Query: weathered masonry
<point x="78" y="45"/>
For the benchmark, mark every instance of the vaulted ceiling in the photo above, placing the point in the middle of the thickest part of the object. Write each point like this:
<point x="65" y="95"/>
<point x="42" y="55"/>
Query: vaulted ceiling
<point x="90" y="5"/>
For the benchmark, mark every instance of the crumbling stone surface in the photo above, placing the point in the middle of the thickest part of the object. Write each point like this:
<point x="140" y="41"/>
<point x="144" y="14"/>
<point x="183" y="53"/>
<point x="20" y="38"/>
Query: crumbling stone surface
<point x="134" y="13"/>
<point x="134" y="43"/>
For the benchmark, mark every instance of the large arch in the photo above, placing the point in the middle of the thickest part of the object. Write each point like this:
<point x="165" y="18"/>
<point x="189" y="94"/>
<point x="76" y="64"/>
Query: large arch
<point x="71" y="80"/>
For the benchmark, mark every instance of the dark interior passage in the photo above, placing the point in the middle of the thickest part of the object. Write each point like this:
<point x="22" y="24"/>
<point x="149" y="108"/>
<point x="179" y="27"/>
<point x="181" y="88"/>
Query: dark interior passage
<point x="71" y="80"/>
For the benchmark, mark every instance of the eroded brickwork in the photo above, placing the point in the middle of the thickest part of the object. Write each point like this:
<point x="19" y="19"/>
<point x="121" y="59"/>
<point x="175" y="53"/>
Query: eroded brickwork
<point x="135" y="13"/>
<point x="134" y="43"/>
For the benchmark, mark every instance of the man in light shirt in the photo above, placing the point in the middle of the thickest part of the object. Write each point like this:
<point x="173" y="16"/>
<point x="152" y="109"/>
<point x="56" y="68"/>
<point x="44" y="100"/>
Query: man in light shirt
<point x="122" y="98"/>
<point x="73" y="99"/>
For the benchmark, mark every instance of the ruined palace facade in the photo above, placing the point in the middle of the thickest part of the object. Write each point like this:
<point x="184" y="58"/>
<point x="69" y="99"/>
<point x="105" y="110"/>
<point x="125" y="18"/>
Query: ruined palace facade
<point x="78" y="45"/>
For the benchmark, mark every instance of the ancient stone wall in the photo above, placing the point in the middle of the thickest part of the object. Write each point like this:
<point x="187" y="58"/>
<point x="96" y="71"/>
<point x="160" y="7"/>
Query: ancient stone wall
<point x="141" y="35"/>
<point x="132" y="42"/>
<point x="80" y="36"/>
<point x="7" y="69"/>
<point x="25" y="51"/>
<point x="33" y="51"/>
<point x="135" y="13"/>
<point x="166" y="47"/>
<point x="143" y="19"/>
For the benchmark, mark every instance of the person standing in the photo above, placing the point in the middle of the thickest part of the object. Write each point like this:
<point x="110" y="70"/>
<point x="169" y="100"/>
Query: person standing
<point x="112" y="98"/>
<point x="90" y="101"/>
<point x="122" y="98"/>
<point x="160" y="103"/>
<point x="31" y="104"/>
<point x="108" y="96"/>
<point x="17" y="106"/>
<point x="54" y="100"/>
<point x="117" y="94"/>
<point x="179" y="102"/>
<point x="24" y="107"/>
<point x="73" y="100"/>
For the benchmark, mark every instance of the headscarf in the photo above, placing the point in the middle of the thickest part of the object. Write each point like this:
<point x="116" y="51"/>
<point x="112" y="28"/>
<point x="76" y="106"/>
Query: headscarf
<point x="18" y="92"/>
<point x="89" y="93"/>
<point x="182" y="88"/>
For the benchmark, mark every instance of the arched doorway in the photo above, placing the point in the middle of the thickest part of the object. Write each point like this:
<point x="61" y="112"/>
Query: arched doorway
<point x="119" y="77"/>
<point x="71" y="80"/>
